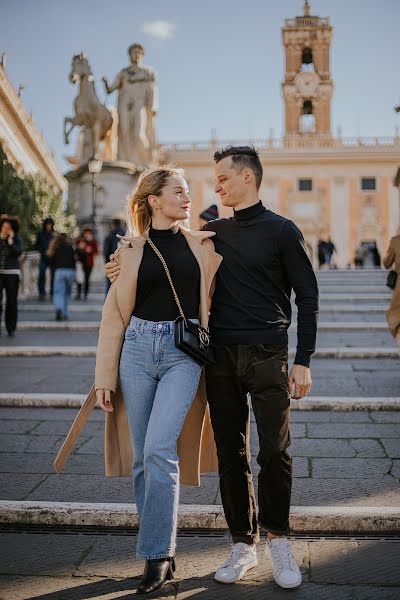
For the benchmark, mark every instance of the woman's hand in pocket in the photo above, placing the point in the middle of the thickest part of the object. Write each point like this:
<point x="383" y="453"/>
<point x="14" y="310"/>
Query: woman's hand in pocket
<point x="104" y="400"/>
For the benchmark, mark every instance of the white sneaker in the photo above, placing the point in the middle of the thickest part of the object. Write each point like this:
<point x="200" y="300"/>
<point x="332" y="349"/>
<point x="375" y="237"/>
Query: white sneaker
<point x="242" y="558"/>
<point x="285" y="569"/>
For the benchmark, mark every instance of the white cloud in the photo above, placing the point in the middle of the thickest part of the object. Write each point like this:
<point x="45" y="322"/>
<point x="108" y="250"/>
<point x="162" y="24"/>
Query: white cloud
<point x="162" y="30"/>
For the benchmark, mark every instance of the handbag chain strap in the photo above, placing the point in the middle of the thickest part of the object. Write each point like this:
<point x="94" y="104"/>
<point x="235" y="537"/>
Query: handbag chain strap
<point x="168" y="274"/>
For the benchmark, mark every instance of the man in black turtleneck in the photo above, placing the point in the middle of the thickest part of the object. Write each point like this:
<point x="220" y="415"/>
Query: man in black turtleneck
<point x="264" y="260"/>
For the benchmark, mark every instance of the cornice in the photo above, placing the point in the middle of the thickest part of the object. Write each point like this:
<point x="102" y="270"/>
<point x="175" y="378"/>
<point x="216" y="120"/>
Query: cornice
<point x="33" y="139"/>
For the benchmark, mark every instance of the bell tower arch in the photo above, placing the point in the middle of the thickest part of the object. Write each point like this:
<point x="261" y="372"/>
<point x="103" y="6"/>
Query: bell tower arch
<point x="307" y="87"/>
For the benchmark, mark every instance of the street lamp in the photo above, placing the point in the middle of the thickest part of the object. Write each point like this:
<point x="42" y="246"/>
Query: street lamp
<point x="94" y="166"/>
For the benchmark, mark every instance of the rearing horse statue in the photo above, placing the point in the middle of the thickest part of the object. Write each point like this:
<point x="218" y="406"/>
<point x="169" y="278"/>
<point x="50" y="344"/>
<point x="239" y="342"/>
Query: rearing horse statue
<point x="89" y="111"/>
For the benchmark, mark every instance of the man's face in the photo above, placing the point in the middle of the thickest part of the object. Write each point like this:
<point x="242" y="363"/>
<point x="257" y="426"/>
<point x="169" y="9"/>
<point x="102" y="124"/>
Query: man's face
<point x="230" y="184"/>
<point x="49" y="227"/>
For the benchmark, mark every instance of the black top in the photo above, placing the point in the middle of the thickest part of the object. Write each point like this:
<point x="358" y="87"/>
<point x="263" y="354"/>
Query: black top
<point x="64" y="257"/>
<point x="10" y="253"/>
<point x="154" y="298"/>
<point x="43" y="240"/>
<point x="264" y="259"/>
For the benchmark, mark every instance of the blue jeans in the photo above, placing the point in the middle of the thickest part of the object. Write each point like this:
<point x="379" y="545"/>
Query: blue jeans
<point x="63" y="280"/>
<point x="158" y="383"/>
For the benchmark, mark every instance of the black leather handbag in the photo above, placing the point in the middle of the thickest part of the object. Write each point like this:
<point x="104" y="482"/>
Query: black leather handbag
<point x="193" y="339"/>
<point x="391" y="279"/>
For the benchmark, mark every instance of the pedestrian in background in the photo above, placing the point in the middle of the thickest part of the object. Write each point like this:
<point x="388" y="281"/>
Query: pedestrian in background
<point x="329" y="251"/>
<point x="11" y="250"/>
<point x="87" y="248"/>
<point x="321" y="253"/>
<point x="43" y="240"/>
<point x="392" y="260"/>
<point x="62" y="255"/>
<point x="376" y="255"/>
<point x="359" y="256"/>
<point x="110" y="245"/>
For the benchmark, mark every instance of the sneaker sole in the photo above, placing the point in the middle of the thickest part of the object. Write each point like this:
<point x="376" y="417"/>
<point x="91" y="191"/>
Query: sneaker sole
<point x="250" y="566"/>
<point x="288" y="586"/>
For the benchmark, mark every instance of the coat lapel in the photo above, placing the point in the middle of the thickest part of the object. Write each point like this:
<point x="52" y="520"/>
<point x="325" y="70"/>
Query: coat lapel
<point x="126" y="283"/>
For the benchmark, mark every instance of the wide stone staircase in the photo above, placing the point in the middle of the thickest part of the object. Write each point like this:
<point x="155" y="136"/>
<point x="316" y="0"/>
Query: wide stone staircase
<point x="345" y="444"/>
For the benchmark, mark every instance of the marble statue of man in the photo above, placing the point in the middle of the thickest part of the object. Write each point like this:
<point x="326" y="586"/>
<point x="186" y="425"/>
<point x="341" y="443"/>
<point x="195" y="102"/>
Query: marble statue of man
<point x="137" y="98"/>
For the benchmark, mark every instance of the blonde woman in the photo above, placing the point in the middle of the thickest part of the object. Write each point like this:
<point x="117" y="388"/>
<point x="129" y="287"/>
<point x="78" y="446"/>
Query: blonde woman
<point x="161" y="400"/>
<point x="392" y="260"/>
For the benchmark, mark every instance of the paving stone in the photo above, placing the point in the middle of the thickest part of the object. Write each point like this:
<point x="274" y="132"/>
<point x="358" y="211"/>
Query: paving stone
<point x="18" y="462"/>
<point x="392" y="447"/>
<point x="63" y="427"/>
<point x="356" y="430"/>
<point x="349" y="468"/>
<point x="50" y="338"/>
<point x="34" y="443"/>
<point x="37" y="415"/>
<point x="395" y="471"/>
<point x="366" y="448"/>
<point x="375" y="491"/>
<point x="81" y="488"/>
<point x="112" y="556"/>
<point x="19" y="553"/>
<point x="18" y="427"/>
<point x="321" y="448"/>
<point x="330" y="416"/>
<point x="18" y="488"/>
<point x="385" y="417"/>
<point x="59" y="588"/>
<point x="355" y="562"/>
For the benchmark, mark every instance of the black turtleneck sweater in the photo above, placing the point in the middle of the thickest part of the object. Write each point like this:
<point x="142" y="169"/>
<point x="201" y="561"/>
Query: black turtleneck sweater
<point x="154" y="298"/>
<point x="264" y="259"/>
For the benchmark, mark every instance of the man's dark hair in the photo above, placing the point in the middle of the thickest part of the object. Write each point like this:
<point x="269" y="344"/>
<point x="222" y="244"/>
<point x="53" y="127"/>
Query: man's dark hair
<point x="242" y="157"/>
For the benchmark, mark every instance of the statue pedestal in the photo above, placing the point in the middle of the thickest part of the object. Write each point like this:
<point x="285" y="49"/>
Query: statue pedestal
<point x="114" y="185"/>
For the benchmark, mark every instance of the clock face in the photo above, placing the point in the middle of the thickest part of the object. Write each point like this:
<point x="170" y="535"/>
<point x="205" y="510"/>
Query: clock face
<point x="306" y="83"/>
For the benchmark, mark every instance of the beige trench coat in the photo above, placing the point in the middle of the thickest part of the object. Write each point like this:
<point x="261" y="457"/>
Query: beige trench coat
<point x="392" y="260"/>
<point x="196" y="446"/>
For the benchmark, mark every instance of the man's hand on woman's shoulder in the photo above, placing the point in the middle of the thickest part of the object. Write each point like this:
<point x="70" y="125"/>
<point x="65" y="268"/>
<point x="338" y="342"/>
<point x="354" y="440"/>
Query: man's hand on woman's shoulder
<point x="112" y="269"/>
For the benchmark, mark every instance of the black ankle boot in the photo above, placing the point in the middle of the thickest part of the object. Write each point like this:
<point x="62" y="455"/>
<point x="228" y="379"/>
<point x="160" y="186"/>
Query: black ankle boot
<point x="156" y="573"/>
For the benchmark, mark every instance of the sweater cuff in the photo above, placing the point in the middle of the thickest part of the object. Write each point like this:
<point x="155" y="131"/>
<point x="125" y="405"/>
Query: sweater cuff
<point x="303" y="357"/>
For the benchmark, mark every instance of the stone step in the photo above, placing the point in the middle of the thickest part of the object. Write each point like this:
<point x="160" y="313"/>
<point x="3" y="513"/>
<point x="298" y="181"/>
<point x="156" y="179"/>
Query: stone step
<point x="310" y="519"/>
<point x="97" y="308"/>
<point x="328" y="403"/>
<point x="82" y="351"/>
<point x="94" y="326"/>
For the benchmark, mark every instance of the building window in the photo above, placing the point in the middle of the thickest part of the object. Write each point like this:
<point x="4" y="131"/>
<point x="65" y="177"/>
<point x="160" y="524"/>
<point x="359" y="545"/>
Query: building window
<point x="305" y="185"/>
<point x="368" y="184"/>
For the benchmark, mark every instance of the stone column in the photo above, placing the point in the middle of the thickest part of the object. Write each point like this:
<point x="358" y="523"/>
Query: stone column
<point x="340" y="221"/>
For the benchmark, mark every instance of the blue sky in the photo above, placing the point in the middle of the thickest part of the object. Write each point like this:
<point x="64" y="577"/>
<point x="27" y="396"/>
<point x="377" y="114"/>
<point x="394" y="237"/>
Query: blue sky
<point x="221" y="68"/>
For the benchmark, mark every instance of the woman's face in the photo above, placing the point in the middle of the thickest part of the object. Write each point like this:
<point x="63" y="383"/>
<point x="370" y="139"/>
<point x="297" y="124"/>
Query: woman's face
<point x="88" y="236"/>
<point x="174" y="201"/>
<point x="6" y="229"/>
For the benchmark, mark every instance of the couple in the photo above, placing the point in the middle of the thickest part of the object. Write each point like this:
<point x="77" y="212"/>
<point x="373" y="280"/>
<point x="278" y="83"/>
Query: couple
<point x="161" y="398"/>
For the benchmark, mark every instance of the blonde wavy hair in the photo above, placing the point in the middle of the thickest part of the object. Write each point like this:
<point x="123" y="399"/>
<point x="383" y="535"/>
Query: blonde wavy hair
<point x="150" y="183"/>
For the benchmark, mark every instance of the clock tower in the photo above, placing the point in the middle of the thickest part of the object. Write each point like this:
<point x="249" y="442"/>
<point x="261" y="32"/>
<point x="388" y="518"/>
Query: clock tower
<point x="307" y="87"/>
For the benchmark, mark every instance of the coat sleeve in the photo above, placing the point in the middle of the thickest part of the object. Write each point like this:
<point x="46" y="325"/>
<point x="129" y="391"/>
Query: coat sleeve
<point x="389" y="258"/>
<point x="111" y="337"/>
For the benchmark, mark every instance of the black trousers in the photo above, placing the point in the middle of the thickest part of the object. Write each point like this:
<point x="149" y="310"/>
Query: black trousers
<point x="87" y="271"/>
<point x="261" y="371"/>
<point x="9" y="283"/>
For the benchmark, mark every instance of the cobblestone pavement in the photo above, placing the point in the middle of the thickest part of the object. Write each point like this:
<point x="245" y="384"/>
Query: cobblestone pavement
<point x="340" y="458"/>
<point x="67" y="565"/>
